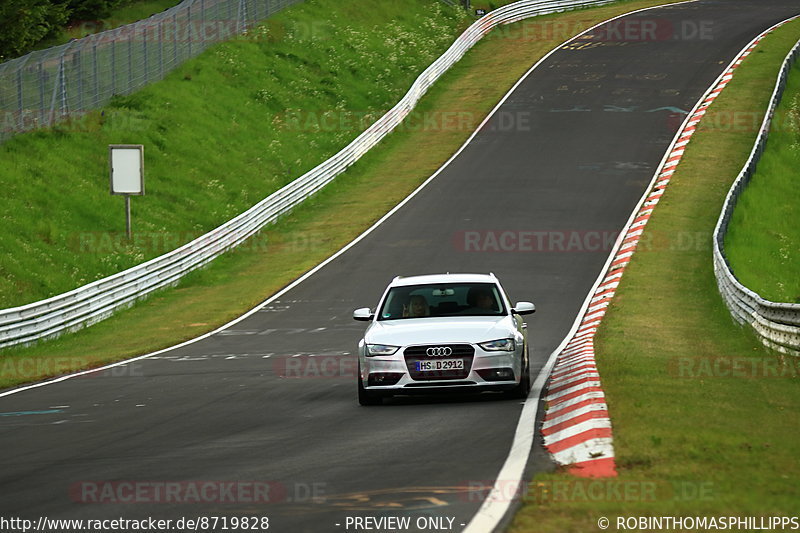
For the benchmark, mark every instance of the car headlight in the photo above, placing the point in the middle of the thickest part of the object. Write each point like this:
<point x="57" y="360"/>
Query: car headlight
<point x="500" y="345"/>
<point x="380" y="349"/>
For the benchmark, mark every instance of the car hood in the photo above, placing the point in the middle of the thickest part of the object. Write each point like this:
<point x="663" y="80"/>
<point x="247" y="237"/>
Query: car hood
<point x="437" y="330"/>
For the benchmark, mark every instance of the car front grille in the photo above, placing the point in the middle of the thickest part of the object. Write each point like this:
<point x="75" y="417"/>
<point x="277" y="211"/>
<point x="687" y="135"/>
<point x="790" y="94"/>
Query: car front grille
<point x="413" y="354"/>
<point x="449" y="384"/>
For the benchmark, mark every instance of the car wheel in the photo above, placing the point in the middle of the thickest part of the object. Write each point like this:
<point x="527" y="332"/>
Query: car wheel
<point x="524" y="387"/>
<point x="364" y="396"/>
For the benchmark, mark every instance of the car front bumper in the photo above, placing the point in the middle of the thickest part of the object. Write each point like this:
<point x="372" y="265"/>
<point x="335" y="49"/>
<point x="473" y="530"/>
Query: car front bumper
<point x="489" y="371"/>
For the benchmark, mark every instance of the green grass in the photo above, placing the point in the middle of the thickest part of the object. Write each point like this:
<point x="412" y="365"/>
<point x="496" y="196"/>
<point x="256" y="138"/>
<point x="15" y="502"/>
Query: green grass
<point x="705" y="443"/>
<point x="128" y="12"/>
<point x="282" y="252"/>
<point x="220" y="133"/>
<point x="763" y="239"/>
<point x="705" y="419"/>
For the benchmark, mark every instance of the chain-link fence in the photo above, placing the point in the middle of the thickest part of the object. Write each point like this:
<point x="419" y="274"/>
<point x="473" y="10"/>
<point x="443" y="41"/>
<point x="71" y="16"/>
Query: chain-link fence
<point x="46" y="86"/>
<point x="95" y="301"/>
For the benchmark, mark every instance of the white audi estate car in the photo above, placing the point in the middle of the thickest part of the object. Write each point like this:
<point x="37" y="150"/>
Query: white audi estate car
<point x="456" y="332"/>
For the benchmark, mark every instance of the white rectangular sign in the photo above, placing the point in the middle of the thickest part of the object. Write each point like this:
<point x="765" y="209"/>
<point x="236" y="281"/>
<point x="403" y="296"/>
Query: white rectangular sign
<point x="127" y="168"/>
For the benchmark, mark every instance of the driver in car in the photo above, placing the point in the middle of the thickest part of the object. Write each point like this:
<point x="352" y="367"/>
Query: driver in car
<point x="480" y="300"/>
<point x="417" y="307"/>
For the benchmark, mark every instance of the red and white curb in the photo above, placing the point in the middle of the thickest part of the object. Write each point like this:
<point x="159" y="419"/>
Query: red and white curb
<point x="577" y="427"/>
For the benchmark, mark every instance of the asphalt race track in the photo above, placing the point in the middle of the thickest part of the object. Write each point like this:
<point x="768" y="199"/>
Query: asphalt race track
<point x="537" y="198"/>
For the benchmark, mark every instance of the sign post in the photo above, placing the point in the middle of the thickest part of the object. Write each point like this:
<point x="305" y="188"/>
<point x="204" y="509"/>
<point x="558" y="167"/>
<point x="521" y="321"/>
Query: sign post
<point x="127" y="175"/>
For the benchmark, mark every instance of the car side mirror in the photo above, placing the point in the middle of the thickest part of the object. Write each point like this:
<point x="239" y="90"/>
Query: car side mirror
<point x="523" y="308"/>
<point x="363" y="314"/>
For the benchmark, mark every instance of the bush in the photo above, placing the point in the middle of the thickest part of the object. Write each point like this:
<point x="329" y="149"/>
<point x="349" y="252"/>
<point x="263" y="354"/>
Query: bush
<point x="23" y="23"/>
<point x="88" y="9"/>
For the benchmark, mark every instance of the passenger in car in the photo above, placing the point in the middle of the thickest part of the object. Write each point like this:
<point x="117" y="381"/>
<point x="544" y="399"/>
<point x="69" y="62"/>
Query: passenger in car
<point x="417" y="307"/>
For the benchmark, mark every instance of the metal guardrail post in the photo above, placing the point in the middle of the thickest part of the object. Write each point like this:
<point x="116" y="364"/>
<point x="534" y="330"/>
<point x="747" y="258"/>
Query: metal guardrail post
<point x="160" y="28"/>
<point x="79" y="80"/>
<point x="144" y="53"/>
<point x="56" y="85"/>
<point x="130" y="66"/>
<point x="241" y="17"/>
<point x="20" y="98"/>
<point x="175" y="39"/>
<point x="189" y="27"/>
<point x="113" y="67"/>
<point x="41" y="94"/>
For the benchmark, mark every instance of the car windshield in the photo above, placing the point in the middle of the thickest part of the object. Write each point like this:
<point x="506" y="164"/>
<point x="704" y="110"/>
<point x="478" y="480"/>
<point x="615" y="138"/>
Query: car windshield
<point x="446" y="299"/>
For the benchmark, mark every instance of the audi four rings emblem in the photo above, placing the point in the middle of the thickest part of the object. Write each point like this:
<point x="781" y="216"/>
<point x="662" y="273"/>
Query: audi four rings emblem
<point x="439" y="351"/>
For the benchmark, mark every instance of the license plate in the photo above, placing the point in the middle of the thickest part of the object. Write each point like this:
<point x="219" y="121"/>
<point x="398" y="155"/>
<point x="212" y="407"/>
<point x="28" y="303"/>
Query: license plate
<point x="436" y="364"/>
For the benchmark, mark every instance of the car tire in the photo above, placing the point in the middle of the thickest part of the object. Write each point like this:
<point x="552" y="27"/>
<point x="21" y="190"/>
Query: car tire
<point x="364" y="396"/>
<point x="521" y="391"/>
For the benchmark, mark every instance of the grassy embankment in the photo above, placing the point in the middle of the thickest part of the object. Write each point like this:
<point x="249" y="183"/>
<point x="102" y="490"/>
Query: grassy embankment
<point x="763" y="239"/>
<point x="190" y="190"/>
<point x="705" y="418"/>
<point x="221" y="133"/>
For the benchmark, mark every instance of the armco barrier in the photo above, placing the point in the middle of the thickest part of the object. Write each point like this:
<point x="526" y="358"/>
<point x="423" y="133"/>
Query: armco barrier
<point x="777" y="324"/>
<point x="98" y="300"/>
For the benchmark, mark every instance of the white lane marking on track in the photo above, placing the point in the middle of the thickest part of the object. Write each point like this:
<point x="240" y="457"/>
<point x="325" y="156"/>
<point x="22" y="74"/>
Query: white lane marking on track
<point x="276" y="298"/>
<point x="493" y="510"/>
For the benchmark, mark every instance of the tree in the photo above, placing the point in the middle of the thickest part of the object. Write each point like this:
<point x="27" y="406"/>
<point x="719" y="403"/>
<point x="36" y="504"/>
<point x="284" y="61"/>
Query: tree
<point x="26" y="22"/>
<point x="88" y="9"/>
